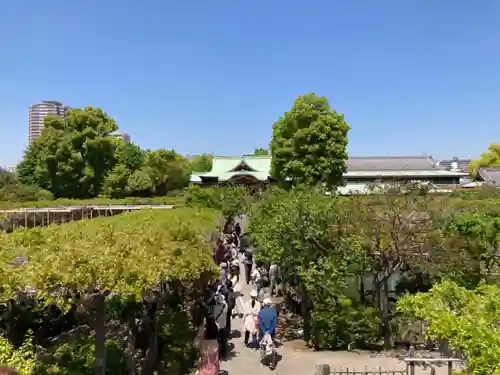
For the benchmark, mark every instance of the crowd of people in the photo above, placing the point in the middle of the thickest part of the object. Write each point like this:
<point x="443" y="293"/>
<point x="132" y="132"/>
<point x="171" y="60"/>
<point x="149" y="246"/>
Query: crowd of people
<point x="258" y="313"/>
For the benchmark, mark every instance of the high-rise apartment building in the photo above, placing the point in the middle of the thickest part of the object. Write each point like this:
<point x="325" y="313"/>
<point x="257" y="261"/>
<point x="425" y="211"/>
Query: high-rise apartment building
<point x="37" y="113"/>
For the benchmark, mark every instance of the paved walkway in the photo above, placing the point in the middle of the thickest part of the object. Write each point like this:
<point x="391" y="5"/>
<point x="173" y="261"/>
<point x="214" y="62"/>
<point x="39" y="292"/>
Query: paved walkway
<point x="245" y="361"/>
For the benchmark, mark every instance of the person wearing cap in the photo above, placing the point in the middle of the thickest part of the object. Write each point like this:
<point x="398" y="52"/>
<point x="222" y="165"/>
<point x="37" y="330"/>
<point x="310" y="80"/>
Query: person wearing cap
<point x="250" y="317"/>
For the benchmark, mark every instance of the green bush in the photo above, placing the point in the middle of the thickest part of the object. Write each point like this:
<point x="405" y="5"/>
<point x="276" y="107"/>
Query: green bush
<point x="23" y="359"/>
<point x="24" y="193"/>
<point x="347" y="323"/>
<point x="78" y="358"/>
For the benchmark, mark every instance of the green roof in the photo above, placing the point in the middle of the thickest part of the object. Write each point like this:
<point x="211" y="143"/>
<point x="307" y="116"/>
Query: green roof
<point x="223" y="164"/>
<point x="226" y="167"/>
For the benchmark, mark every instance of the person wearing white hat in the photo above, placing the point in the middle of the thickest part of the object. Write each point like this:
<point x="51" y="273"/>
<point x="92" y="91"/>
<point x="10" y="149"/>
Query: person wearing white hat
<point x="250" y="317"/>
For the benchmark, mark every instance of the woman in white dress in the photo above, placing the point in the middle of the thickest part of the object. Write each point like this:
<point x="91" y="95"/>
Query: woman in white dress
<point x="250" y="323"/>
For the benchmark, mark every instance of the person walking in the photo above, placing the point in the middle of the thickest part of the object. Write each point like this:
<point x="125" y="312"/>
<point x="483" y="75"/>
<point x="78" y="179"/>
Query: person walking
<point x="274" y="278"/>
<point x="208" y="347"/>
<point x="250" y="317"/>
<point x="256" y="279"/>
<point x="248" y="265"/>
<point x="268" y="320"/>
<point x="220" y="315"/>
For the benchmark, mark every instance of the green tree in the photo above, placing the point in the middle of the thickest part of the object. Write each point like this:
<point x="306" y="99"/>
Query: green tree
<point x="129" y="159"/>
<point x="467" y="320"/>
<point x="305" y="231"/>
<point x="489" y="159"/>
<point x="168" y="170"/>
<point x="230" y="201"/>
<point x="139" y="183"/>
<point x="6" y="177"/>
<point x="202" y="163"/>
<point x="309" y="143"/>
<point x="73" y="155"/>
<point x="260" y="152"/>
<point x="470" y="252"/>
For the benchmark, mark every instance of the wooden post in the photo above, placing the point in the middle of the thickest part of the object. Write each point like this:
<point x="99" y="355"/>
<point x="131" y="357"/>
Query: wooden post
<point x="412" y="368"/>
<point x="450" y="367"/>
<point x="322" y="370"/>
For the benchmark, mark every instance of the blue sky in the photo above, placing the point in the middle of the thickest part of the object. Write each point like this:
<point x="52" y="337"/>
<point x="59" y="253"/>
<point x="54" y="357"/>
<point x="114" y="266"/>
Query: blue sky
<point x="410" y="76"/>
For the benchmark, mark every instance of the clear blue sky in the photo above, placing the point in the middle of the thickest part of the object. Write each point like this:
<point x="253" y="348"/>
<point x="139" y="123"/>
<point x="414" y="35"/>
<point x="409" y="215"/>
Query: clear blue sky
<point x="410" y="76"/>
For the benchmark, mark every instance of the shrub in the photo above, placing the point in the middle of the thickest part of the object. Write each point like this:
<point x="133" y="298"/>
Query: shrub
<point x="347" y="323"/>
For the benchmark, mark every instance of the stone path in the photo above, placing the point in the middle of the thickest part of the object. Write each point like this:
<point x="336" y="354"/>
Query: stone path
<point x="245" y="361"/>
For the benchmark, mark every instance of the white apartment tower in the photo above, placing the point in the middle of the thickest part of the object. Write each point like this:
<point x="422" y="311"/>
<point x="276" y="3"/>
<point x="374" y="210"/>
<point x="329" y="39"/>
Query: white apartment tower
<point x="37" y="113"/>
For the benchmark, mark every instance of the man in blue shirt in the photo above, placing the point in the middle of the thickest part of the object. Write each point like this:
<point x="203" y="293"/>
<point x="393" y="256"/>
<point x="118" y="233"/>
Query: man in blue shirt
<point x="268" y="319"/>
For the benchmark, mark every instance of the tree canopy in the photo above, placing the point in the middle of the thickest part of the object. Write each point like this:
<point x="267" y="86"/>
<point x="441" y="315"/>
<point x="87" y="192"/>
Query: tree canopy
<point x="259" y="151"/>
<point x="137" y="270"/>
<point x="75" y="157"/>
<point x="309" y="143"/>
<point x="466" y="319"/>
<point x="488" y="159"/>
<point x="202" y="163"/>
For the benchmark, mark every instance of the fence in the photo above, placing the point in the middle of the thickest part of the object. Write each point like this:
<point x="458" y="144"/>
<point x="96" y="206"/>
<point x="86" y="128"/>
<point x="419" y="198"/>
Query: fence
<point x="33" y="217"/>
<point x="411" y="364"/>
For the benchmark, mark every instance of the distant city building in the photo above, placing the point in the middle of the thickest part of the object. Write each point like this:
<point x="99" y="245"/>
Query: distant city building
<point x="37" y="114"/>
<point x="120" y="135"/>
<point x="455" y="163"/>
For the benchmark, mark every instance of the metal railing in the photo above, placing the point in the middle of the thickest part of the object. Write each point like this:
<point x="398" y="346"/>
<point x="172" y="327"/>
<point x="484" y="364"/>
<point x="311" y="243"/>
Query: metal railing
<point x="411" y="365"/>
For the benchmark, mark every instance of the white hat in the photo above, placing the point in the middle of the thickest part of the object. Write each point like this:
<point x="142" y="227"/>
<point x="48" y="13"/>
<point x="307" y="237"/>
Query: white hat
<point x="254" y="293"/>
<point x="223" y="265"/>
<point x="267" y="301"/>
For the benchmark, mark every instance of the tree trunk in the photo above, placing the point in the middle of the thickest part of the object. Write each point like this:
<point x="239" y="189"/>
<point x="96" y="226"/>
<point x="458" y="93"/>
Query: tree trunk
<point x="100" y="336"/>
<point x="152" y="351"/>
<point x="386" y="319"/>
<point x="362" y="288"/>
<point x="130" y="346"/>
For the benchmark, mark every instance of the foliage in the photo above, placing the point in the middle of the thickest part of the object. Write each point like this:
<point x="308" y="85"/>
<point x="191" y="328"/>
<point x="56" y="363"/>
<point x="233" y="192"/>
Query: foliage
<point x="309" y="143"/>
<point x="346" y="324"/>
<point x="489" y="159"/>
<point x="144" y="260"/>
<point x="168" y="170"/>
<point x="202" y="163"/>
<point x="472" y="239"/>
<point x="466" y="319"/>
<point x="259" y="151"/>
<point x="76" y="157"/>
<point x="23" y="359"/>
<point x="231" y="201"/>
<point x="129" y="159"/>
<point x="73" y="155"/>
<point x="78" y="358"/>
<point x="6" y="178"/>
<point x="82" y="256"/>
<point x="18" y="192"/>
<point x="303" y="230"/>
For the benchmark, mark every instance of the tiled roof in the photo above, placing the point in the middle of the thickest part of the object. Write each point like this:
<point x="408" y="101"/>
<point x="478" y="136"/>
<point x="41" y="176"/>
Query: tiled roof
<point x="390" y="163"/>
<point x="490" y="175"/>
